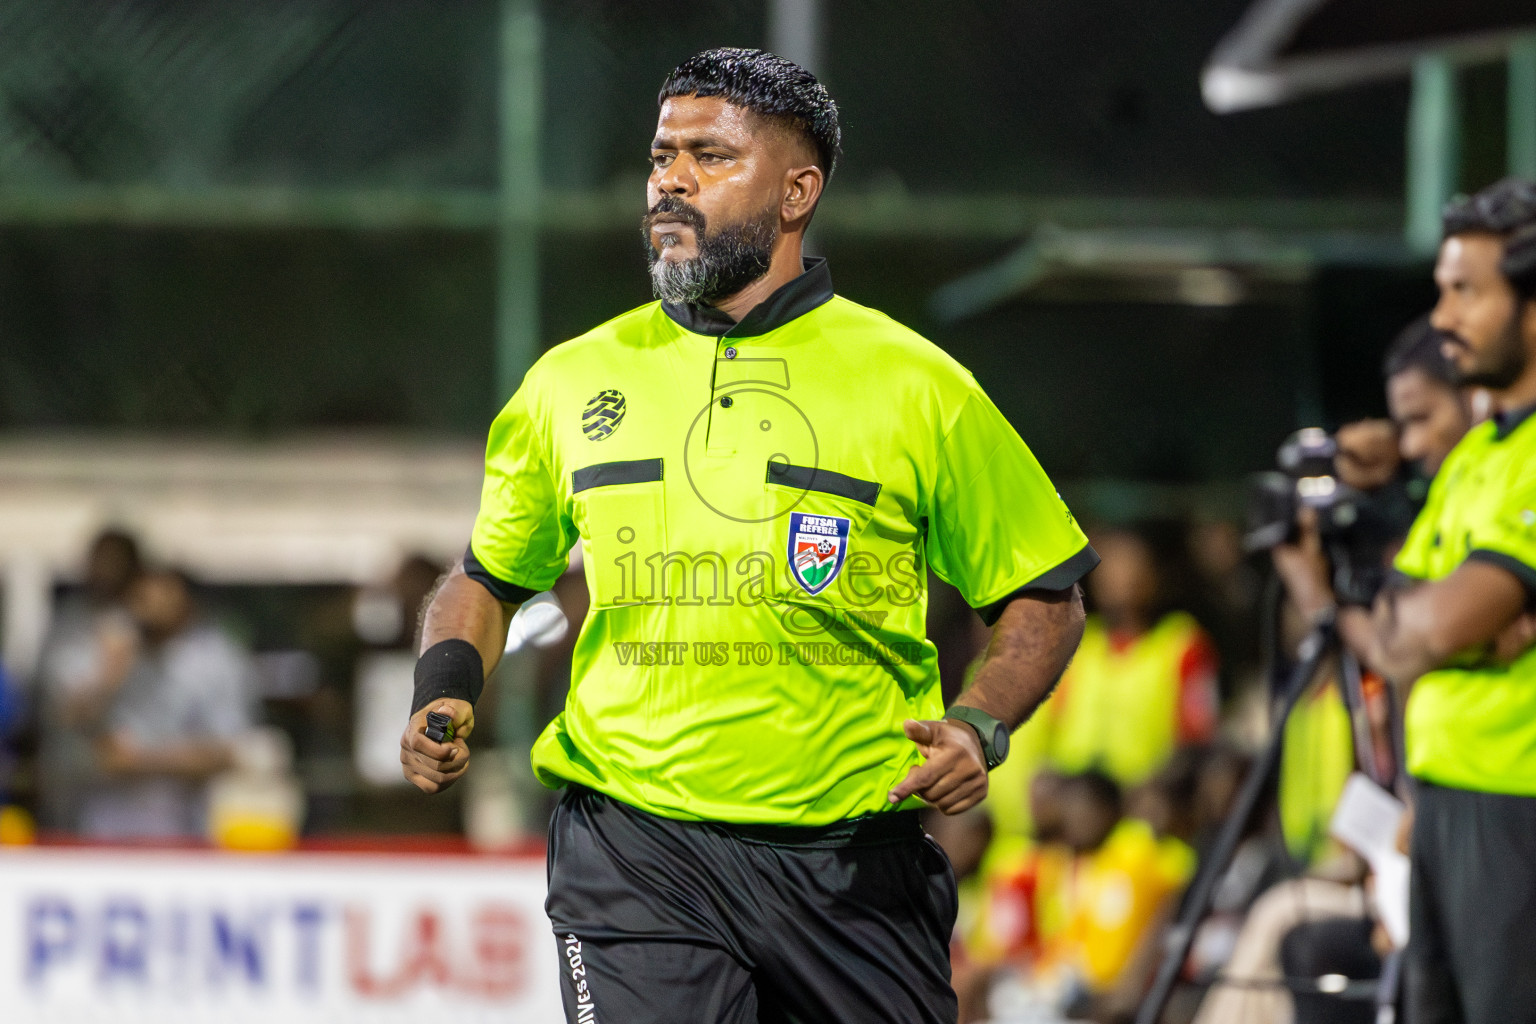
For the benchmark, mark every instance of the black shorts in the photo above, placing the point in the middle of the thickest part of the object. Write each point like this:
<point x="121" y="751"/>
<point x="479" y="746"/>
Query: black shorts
<point x="1472" y="937"/>
<point x="681" y="922"/>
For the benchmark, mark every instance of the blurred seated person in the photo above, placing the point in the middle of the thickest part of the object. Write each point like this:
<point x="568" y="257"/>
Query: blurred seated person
<point x="1017" y="894"/>
<point x="1012" y="920"/>
<point x="82" y="654"/>
<point x="1098" y="904"/>
<point x="179" y="695"/>
<point x="1226" y="591"/>
<point x="1340" y="947"/>
<point x="16" y="823"/>
<point x="1316" y="759"/>
<point x="1250" y="989"/>
<point x="1187" y="803"/>
<point x="1143" y="682"/>
<point x="1301" y="929"/>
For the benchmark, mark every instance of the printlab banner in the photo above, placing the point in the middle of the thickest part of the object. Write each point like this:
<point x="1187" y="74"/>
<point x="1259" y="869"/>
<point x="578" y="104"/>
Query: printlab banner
<point x="166" y="936"/>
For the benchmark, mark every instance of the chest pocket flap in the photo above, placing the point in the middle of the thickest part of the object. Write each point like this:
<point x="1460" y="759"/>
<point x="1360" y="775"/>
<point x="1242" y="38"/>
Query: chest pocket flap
<point x="620" y="511"/>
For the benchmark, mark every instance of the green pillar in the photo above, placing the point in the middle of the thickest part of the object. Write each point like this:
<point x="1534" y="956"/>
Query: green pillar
<point x="795" y="32"/>
<point x="1521" y="137"/>
<point x="1434" y="149"/>
<point x="517" y="236"/>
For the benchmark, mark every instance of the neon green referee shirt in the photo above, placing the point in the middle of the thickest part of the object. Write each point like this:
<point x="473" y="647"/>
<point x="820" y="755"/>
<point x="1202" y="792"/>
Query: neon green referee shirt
<point x="757" y="506"/>
<point x="1473" y="725"/>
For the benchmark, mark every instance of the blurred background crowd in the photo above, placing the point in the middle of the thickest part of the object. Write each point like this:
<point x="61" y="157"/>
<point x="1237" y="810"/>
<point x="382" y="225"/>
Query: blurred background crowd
<point x="267" y="271"/>
<point x="166" y="710"/>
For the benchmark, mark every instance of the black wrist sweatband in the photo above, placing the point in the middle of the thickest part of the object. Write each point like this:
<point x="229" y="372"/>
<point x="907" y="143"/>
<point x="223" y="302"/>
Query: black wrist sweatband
<point x="449" y="669"/>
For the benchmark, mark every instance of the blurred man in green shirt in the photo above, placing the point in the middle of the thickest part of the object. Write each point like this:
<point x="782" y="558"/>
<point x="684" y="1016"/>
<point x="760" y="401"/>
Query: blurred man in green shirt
<point x="1456" y="634"/>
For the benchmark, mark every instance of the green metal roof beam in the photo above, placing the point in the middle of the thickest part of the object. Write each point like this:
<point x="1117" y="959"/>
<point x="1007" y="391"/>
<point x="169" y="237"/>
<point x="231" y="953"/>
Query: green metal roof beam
<point x="1521" y="139"/>
<point x="1200" y="262"/>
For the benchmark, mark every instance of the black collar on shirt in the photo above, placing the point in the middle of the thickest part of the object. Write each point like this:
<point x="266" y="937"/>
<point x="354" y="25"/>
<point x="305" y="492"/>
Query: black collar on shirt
<point x="1505" y="423"/>
<point x="798" y="297"/>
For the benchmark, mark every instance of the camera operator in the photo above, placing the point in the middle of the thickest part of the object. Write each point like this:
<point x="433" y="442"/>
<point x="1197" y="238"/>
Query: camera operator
<point x="1458" y="632"/>
<point x="1326" y="912"/>
<point x="1431" y="412"/>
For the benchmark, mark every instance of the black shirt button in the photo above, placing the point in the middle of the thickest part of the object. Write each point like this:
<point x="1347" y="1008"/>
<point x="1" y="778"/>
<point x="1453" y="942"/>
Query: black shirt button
<point x="730" y="353"/>
<point x="727" y="402"/>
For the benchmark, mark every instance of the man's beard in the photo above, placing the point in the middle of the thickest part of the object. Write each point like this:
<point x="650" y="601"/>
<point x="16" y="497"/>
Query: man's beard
<point x="727" y="261"/>
<point x="1506" y="360"/>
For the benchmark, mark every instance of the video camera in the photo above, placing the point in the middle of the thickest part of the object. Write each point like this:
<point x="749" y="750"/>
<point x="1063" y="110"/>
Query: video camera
<point x="1357" y="527"/>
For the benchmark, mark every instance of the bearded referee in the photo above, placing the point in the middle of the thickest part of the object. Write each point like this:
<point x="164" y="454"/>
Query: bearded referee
<point x="760" y="474"/>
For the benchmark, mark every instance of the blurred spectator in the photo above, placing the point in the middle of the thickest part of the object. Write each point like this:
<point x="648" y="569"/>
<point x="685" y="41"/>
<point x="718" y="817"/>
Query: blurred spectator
<point x="1323" y="745"/>
<point x="1072" y="924"/>
<point x="385" y="619"/>
<point x="1142" y="685"/>
<point x="1250" y="989"/>
<point x="1015" y="916"/>
<point x="85" y="649"/>
<point x="1143" y="682"/>
<point x="1170" y="800"/>
<point x="1115" y="902"/>
<point x="1019" y="904"/>
<point x="1226" y="600"/>
<point x="16" y="824"/>
<point x="1336" y="946"/>
<point x="1429" y="408"/>
<point x="388" y="617"/>
<point x="1317" y="758"/>
<point x="176" y="693"/>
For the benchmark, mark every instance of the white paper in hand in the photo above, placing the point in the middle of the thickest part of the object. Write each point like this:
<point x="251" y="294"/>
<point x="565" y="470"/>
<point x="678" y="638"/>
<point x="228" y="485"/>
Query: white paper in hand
<point x="1366" y="820"/>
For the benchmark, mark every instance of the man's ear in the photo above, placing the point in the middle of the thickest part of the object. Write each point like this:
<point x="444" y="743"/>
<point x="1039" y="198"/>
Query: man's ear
<point x="802" y="190"/>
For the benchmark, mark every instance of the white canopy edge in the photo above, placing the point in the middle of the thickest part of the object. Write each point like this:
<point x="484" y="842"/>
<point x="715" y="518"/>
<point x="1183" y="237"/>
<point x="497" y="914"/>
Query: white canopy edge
<point x="341" y="509"/>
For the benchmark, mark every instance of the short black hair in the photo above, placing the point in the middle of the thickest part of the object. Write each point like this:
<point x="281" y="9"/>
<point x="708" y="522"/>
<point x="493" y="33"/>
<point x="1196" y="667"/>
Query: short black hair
<point x="1500" y="209"/>
<point x="768" y="85"/>
<point x="1508" y="209"/>
<point x="1098" y="787"/>
<point x="1417" y="347"/>
<point x="118" y="537"/>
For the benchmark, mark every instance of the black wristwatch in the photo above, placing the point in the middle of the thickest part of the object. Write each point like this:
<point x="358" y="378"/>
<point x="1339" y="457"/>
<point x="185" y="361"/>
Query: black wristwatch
<point x="992" y="733"/>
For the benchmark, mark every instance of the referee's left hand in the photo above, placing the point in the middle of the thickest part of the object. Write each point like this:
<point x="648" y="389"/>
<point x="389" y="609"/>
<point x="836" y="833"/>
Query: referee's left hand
<point x="953" y="775"/>
<point x="431" y="766"/>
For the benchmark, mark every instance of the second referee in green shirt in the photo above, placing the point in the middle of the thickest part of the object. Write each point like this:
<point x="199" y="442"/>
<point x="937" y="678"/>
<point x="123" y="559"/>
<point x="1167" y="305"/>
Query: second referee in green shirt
<point x="760" y="475"/>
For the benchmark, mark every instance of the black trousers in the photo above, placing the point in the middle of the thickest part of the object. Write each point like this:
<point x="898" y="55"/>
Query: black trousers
<point x="698" y="923"/>
<point x="1472" y="943"/>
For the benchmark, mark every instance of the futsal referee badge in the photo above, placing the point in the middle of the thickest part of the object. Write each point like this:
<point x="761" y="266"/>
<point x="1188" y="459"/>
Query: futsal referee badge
<point x="817" y="545"/>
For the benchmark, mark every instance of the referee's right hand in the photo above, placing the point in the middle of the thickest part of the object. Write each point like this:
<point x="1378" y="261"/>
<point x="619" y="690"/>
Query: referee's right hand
<point x="953" y="775"/>
<point x="432" y="766"/>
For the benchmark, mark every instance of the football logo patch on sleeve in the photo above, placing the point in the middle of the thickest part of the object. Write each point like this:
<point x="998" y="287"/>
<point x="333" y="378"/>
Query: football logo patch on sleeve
<point x="817" y="547"/>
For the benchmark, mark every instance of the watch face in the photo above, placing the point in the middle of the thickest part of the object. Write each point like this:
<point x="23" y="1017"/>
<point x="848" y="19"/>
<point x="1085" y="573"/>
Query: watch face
<point x="1000" y="743"/>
